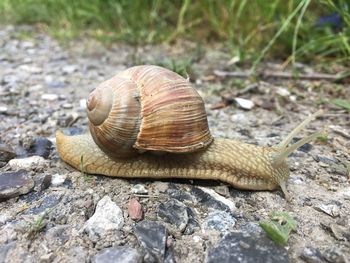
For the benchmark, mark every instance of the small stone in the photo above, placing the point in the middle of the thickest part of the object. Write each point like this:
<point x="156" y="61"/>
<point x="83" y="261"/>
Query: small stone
<point x="48" y="202"/>
<point x="3" y="109"/>
<point x="29" y="163"/>
<point x="58" y="179"/>
<point x="331" y="209"/>
<point x="152" y="237"/>
<point x="44" y="181"/>
<point x="139" y="189"/>
<point x="220" y="221"/>
<point x="135" y="210"/>
<point x="31" y="69"/>
<point x="244" y="103"/>
<point x="305" y="148"/>
<point x="15" y="183"/>
<point x="249" y="248"/>
<point x="41" y="146"/>
<point x="311" y="255"/>
<point x="219" y="198"/>
<point x="192" y="223"/>
<point x="49" y="97"/>
<point x="6" y="153"/>
<point x="108" y="217"/>
<point x="206" y="199"/>
<point x="161" y="187"/>
<point x="67" y="106"/>
<point x="174" y="212"/>
<point x="82" y="104"/>
<point x="118" y="254"/>
<point x="69" y="69"/>
<point x="325" y="159"/>
<point x="282" y="92"/>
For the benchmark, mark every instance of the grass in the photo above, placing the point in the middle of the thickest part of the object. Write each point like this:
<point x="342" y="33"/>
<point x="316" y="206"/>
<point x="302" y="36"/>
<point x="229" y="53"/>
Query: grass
<point x="279" y="227"/>
<point x="291" y="30"/>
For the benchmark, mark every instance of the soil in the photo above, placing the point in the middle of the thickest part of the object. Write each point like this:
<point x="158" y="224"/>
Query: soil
<point x="43" y="87"/>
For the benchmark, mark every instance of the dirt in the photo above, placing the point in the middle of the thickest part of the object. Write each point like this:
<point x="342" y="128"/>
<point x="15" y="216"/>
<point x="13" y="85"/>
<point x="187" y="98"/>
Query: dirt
<point x="33" y="64"/>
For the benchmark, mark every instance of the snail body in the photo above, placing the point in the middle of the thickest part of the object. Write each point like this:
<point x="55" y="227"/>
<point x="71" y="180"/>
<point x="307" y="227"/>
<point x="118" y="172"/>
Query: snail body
<point x="162" y="113"/>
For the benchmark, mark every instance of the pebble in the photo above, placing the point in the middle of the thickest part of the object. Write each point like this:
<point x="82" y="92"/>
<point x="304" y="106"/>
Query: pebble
<point x="282" y="92"/>
<point x="29" y="163"/>
<point x="174" y="212"/>
<point x="192" y="223"/>
<point x="48" y="202"/>
<point x="139" y="189"/>
<point x="67" y="106"/>
<point x="219" y="198"/>
<point x="6" y="153"/>
<point x="247" y="248"/>
<point x="220" y="221"/>
<point x="311" y="255"/>
<point x="152" y="237"/>
<point x="135" y="210"/>
<point x="41" y="146"/>
<point x="208" y="200"/>
<point x="13" y="184"/>
<point x="31" y="69"/>
<point x="325" y="159"/>
<point x="49" y="97"/>
<point x="331" y="209"/>
<point x="69" y="69"/>
<point x="307" y="147"/>
<point x="244" y="103"/>
<point x="108" y="217"/>
<point x="43" y="181"/>
<point x="161" y="187"/>
<point x="58" y="179"/>
<point x="118" y="254"/>
<point x="82" y="104"/>
<point x="3" y="109"/>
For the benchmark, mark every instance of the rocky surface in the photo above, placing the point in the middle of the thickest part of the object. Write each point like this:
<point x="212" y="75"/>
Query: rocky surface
<point x="43" y="88"/>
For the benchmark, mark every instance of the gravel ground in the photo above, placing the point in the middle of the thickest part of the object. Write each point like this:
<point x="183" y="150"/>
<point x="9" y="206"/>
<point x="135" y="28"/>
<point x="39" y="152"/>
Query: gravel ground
<point x="51" y="213"/>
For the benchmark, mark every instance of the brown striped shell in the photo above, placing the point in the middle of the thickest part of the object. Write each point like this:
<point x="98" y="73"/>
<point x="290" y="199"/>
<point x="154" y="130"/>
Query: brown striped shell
<point x="147" y="108"/>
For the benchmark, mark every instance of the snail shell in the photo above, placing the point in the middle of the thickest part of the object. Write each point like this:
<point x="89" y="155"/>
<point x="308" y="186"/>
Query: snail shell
<point x="147" y="108"/>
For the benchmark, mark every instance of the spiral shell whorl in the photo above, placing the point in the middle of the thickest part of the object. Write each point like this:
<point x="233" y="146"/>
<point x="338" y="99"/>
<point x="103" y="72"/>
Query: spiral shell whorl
<point x="119" y="110"/>
<point x="147" y="108"/>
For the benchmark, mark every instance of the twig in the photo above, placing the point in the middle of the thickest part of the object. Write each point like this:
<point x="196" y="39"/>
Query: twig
<point x="281" y="75"/>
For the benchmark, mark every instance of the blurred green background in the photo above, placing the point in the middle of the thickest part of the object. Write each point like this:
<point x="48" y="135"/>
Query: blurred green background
<point x="304" y="30"/>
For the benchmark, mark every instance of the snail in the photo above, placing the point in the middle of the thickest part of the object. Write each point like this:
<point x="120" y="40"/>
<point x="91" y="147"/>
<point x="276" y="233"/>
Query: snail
<point x="149" y="122"/>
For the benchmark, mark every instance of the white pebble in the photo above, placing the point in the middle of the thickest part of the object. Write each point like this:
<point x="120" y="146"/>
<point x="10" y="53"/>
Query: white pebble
<point x="49" y="96"/>
<point x="282" y="92"/>
<point x="3" y="109"/>
<point x="139" y="189"/>
<point x="58" y="179"/>
<point x="244" y="104"/>
<point x="107" y="218"/>
<point x="82" y="104"/>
